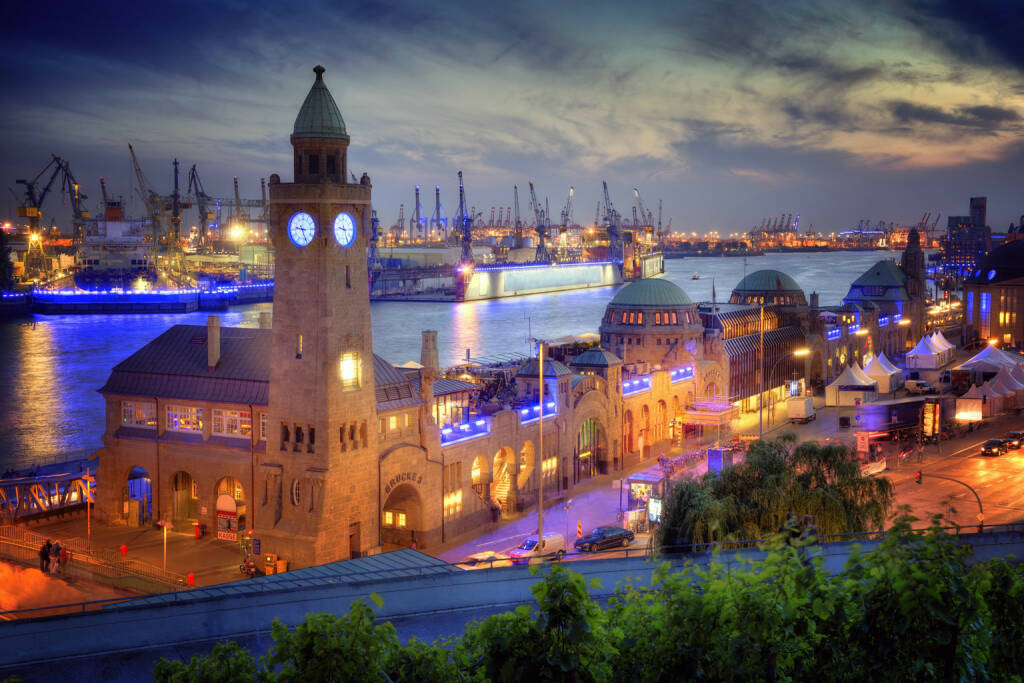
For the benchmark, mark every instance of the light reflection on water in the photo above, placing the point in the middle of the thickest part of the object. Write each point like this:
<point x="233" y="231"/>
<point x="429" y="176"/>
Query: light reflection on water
<point x="53" y="365"/>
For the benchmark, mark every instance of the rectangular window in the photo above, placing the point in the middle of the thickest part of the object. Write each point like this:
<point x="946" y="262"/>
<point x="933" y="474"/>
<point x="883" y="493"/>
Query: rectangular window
<point x="380" y="425"/>
<point x="657" y="318"/>
<point x="184" y="418"/>
<point x="673" y="318"/>
<point x="400" y="520"/>
<point x="393" y="422"/>
<point x="263" y="426"/>
<point x="632" y="318"/>
<point x="138" y="414"/>
<point x="330" y="164"/>
<point x="453" y="504"/>
<point x="624" y="317"/>
<point x="232" y="422"/>
<point x="389" y="518"/>
<point x="970" y="308"/>
<point x="351" y="371"/>
<point x="314" y="164"/>
<point x="986" y="312"/>
<point x="640" y="318"/>
<point x="407" y="419"/>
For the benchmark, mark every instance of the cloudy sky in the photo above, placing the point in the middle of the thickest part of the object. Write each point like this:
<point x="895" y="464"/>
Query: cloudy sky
<point x="728" y="111"/>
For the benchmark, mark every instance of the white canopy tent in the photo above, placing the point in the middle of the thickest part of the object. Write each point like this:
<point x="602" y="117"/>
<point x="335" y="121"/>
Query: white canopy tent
<point x="850" y="387"/>
<point x="925" y="356"/>
<point x="993" y="399"/>
<point x="943" y="346"/>
<point x="971" y="407"/>
<point x="888" y="380"/>
<point x="990" y="359"/>
<point x="1008" y="392"/>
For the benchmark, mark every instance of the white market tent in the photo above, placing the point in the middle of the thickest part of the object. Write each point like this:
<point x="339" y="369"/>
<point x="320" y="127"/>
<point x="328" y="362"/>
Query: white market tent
<point x="990" y="359"/>
<point x="888" y="380"/>
<point x="971" y="407"/>
<point x="924" y="356"/>
<point x="886" y="363"/>
<point x="1008" y="393"/>
<point x="993" y="399"/>
<point x="1018" y="374"/>
<point x="943" y="346"/>
<point x="1008" y="379"/>
<point x="849" y="387"/>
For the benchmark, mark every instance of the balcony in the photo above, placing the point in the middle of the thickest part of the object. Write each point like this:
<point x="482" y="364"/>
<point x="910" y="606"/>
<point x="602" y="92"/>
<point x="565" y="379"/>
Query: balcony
<point x="474" y="429"/>
<point x="637" y="385"/>
<point x="682" y="374"/>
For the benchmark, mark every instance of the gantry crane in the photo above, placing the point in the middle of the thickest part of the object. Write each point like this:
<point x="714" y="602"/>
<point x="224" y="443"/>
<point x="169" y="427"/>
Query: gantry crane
<point x="439" y="221"/>
<point x="611" y="219"/>
<point x="202" y="201"/>
<point x="541" y="227"/>
<point x="32" y="205"/>
<point x="418" y="219"/>
<point x="567" y="212"/>
<point x="517" y="241"/>
<point x="464" y="224"/>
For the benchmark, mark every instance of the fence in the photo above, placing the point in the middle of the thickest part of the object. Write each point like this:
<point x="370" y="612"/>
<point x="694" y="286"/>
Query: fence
<point x="110" y="567"/>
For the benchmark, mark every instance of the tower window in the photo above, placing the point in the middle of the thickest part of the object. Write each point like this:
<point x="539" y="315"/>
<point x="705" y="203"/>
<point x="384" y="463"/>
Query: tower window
<point x="331" y="165"/>
<point x="314" y="164"/>
<point x="298" y="346"/>
<point x="351" y="371"/>
<point x="348" y="278"/>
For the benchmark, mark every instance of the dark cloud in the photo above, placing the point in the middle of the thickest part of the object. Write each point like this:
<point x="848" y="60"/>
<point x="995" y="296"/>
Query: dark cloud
<point x="982" y="117"/>
<point x="977" y="32"/>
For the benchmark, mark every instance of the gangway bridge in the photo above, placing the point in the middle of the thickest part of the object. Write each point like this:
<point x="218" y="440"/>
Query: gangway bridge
<point x="44" y="495"/>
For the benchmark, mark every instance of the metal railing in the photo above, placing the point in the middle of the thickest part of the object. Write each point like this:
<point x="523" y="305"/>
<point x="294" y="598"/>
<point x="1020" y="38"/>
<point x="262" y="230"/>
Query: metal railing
<point x="21" y="545"/>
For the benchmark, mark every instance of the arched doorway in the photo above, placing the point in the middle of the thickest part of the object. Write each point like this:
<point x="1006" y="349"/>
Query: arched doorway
<point x="184" y="499"/>
<point x="504" y="470"/>
<point x="231" y="518"/>
<point x="711" y="390"/>
<point x="645" y="430"/>
<point x="138" y="498"/>
<point x="527" y="461"/>
<point x="481" y="474"/>
<point x="591" y="455"/>
<point x="660" y="420"/>
<point x="402" y="517"/>
<point x="628" y="441"/>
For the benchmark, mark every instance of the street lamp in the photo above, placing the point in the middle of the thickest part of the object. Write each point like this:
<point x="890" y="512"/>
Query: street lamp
<point x="798" y="353"/>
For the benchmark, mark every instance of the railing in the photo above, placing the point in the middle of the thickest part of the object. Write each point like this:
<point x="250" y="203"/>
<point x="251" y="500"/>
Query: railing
<point x="19" y="544"/>
<point x="531" y="413"/>
<point x="475" y="428"/>
<point x="680" y="374"/>
<point x="635" y="386"/>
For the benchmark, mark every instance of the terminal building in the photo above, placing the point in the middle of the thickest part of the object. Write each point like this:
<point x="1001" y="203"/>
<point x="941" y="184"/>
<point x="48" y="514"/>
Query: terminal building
<point x="297" y="433"/>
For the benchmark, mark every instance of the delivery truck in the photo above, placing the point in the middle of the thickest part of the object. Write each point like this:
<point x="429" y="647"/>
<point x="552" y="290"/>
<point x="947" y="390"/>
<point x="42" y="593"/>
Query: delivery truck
<point x="801" y="409"/>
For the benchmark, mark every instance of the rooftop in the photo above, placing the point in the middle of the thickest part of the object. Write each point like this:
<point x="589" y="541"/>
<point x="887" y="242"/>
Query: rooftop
<point x="552" y="368"/>
<point x="651" y="292"/>
<point x="319" y="116"/>
<point x="596" y="358"/>
<point x="767" y="281"/>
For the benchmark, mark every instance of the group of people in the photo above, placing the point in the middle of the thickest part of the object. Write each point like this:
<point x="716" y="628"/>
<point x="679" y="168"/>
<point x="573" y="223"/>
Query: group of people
<point x="53" y="558"/>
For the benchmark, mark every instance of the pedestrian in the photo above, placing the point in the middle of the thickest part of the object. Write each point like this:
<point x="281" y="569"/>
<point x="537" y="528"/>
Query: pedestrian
<point x="54" y="557"/>
<point x="44" y="556"/>
<point x="63" y="559"/>
<point x="413" y="543"/>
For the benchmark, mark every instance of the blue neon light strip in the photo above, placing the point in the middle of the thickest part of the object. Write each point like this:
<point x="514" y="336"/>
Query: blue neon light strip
<point x="546" y="265"/>
<point x="883" y="321"/>
<point x="525" y="413"/>
<point x="896" y="317"/>
<point x="834" y="333"/>
<point x="636" y="386"/>
<point x="464" y="432"/>
<point x="853" y="328"/>
<point x="680" y="374"/>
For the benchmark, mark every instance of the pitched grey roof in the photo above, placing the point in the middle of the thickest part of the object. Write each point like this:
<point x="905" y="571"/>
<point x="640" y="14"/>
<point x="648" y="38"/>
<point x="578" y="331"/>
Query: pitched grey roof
<point x="552" y="368"/>
<point x="442" y="385"/>
<point x="319" y="116"/>
<point x="174" y="365"/>
<point x="749" y="343"/>
<point x="596" y="358"/>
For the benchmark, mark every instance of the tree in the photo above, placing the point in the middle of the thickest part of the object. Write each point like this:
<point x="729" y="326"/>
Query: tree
<point x="754" y="499"/>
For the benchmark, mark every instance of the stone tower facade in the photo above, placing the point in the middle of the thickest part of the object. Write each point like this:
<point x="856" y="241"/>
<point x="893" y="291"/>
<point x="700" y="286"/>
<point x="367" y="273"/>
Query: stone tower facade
<point x="317" y="481"/>
<point x="912" y="264"/>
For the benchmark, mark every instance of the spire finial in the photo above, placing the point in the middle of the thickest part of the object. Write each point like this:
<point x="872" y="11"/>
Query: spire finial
<point x="319" y="71"/>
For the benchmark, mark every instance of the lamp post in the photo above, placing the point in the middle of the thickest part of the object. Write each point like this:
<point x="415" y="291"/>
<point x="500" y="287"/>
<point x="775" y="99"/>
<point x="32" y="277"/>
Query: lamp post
<point x="798" y="353"/>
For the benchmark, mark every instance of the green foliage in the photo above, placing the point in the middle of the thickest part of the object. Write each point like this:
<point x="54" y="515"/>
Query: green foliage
<point x="912" y="608"/>
<point x="753" y="499"/>
<point x="227" y="663"/>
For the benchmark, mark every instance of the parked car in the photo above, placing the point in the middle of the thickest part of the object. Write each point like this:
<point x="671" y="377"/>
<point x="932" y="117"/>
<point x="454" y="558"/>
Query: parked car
<point x="485" y="560"/>
<point x="1013" y="440"/>
<point x="552" y="545"/>
<point x="604" y="537"/>
<point x="919" y="386"/>
<point x="994" y="447"/>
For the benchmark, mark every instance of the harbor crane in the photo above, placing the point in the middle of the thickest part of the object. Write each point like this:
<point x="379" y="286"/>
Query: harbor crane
<point x="541" y="227"/>
<point x="464" y="224"/>
<point x="612" y="223"/>
<point x="439" y="221"/>
<point x="35" y="194"/>
<point x="418" y="218"/>
<point x="567" y="212"/>
<point x="202" y="201"/>
<point x="646" y="218"/>
<point x="398" y="228"/>
<point x="76" y="198"/>
<point x="517" y="240"/>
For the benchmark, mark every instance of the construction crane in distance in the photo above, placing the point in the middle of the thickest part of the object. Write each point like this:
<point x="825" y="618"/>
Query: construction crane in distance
<point x="612" y="222"/>
<point x="540" y="227"/>
<point x="195" y="190"/>
<point x="517" y="226"/>
<point x="567" y="212"/>
<point x="464" y="224"/>
<point x="32" y="205"/>
<point x="439" y="221"/>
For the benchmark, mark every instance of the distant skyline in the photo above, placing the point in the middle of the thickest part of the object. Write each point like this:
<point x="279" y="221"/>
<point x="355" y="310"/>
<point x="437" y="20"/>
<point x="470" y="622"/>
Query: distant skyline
<point x="728" y="112"/>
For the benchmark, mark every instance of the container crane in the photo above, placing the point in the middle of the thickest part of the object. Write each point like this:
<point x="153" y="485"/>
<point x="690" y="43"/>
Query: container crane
<point x="646" y="218"/>
<point x="439" y="221"/>
<point x="418" y="219"/>
<point x="612" y="223"/>
<point x="464" y="224"/>
<point x="202" y="201"/>
<point x="541" y="227"/>
<point x="32" y="205"/>
<point x="76" y="198"/>
<point x="152" y="201"/>
<point x="517" y="242"/>
<point x="567" y="212"/>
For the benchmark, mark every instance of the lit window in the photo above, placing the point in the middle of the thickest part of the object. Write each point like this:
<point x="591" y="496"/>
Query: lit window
<point x="632" y="318"/>
<point x="657" y="318"/>
<point x="232" y="422"/>
<point x="389" y="518"/>
<point x="640" y="318"/>
<point x="138" y="414"/>
<point x="407" y="419"/>
<point x="263" y="426"/>
<point x="673" y="318"/>
<point x="184" y="418"/>
<point x="351" y="371"/>
<point x="393" y="422"/>
<point x="380" y="425"/>
<point x="400" y="518"/>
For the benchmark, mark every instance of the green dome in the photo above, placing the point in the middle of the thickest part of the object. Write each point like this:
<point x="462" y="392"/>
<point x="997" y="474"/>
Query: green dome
<point x="654" y="292"/>
<point x="319" y="116"/>
<point x="767" y="281"/>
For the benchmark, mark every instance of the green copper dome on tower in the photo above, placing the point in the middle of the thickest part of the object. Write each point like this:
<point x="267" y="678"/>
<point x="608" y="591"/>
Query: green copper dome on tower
<point x="319" y="116"/>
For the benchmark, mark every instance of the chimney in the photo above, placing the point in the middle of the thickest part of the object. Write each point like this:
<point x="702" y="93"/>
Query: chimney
<point x="428" y="352"/>
<point x="265" y="320"/>
<point x="212" y="341"/>
<point x="814" y="299"/>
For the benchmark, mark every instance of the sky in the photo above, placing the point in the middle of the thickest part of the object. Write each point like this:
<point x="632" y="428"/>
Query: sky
<point x="727" y="111"/>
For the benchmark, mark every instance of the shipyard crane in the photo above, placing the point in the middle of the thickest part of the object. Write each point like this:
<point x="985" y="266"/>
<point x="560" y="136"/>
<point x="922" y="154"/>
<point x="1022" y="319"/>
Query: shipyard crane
<point x="597" y="214"/>
<point x="567" y="212"/>
<point x="541" y="227"/>
<point x="398" y="229"/>
<point x="202" y="201"/>
<point x="464" y="224"/>
<point x="76" y="198"/>
<point x="418" y="219"/>
<point x="152" y="201"/>
<point x="611" y="220"/>
<point x="35" y="194"/>
<point x="439" y="221"/>
<point x="517" y="241"/>
<point x="645" y="215"/>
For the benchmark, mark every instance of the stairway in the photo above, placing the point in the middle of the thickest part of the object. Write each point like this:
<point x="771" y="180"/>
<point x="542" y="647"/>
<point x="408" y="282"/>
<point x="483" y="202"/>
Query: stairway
<point x="502" y="484"/>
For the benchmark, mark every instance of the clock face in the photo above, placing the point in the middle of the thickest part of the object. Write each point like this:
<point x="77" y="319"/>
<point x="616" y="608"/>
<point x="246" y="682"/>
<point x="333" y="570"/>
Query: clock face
<point x="344" y="229"/>
<point x="301" y="228"/>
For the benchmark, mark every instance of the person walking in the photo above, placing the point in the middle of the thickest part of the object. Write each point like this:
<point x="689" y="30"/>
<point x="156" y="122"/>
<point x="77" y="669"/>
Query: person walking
<point x="63" y="558"/>
<point x="54" y="557"/>
<point x="44" y="556"/>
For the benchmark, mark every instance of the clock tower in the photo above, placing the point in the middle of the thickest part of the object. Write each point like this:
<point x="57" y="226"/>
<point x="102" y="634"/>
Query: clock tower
<point x="317" y="483"/>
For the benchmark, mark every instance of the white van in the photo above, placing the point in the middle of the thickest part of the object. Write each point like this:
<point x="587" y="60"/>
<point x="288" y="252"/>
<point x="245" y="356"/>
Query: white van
<point x="552" y="547"/>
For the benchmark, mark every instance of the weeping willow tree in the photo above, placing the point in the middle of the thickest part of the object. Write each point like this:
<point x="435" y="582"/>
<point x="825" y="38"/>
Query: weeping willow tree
<point x="777" y="478"/>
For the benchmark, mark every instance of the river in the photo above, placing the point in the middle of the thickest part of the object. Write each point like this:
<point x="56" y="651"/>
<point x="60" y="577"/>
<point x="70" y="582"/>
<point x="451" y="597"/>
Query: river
<point x="53" y="365"/>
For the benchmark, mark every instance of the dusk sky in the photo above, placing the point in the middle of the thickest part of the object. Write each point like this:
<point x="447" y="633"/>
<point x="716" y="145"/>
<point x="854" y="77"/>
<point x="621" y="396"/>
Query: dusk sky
<point x="729" y="112"/>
